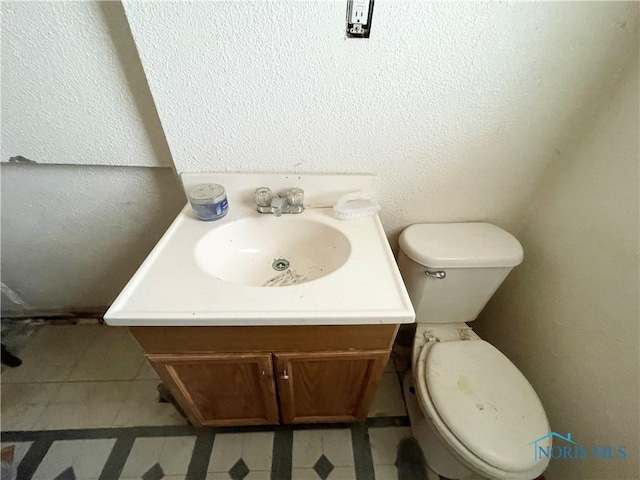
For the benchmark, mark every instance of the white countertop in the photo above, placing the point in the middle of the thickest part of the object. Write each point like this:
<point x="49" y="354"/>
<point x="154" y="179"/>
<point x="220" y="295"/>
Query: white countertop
<point x="170" y="289"/>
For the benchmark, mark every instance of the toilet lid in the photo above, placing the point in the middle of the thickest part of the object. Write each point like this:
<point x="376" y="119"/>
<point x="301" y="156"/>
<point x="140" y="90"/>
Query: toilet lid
<point x="486" y="402"/>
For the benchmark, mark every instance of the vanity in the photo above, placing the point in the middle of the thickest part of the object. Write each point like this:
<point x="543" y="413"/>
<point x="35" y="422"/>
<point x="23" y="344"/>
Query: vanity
<point x="258" y="319"/>
<point x="225" y="376"/>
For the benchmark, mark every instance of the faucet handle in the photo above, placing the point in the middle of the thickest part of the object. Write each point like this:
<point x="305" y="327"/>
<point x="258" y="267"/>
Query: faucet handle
<point x="263" y="196"/>
<point x="295" y="197"/>
<point x="277" y="204"/>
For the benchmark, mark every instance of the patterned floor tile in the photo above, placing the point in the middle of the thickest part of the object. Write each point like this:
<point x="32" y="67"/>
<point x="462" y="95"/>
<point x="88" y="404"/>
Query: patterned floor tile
<point x="307" y="448"/>
<point x="176" y="455"/>
<point x="22" y="417"/>
<point x="144" y="454"/>
<point x="239" y="470"/>
<point x="323" y="467"/>
<point x="336" y="445"/>
<point x="147" y="372"/>
<point x="21" y="449"/>
<point x="60" y="417"/>
<point x="113" y="354"/>
<point x="304" y="474"/>
<point x="343" y="473"/>
<point x="385" y="472"/>
<point x="172" y="454"/>
<point x="310" y="445"/>
<point x="384" y="443"/>
<point x="255" y="449"/>
<point x="141" y="408"/>
<point x="227" y="449"/>
<point x="52" y="354"/>
<point x="85" y="457"/>
<point x="253" y="475"/>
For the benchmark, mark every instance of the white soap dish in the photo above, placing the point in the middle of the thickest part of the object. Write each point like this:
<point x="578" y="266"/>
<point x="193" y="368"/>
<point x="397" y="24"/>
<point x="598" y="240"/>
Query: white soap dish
<point x="356" y="205"/>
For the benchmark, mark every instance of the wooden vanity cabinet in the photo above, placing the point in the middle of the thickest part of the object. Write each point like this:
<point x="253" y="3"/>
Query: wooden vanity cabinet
<point x="328" y="386"/>
<point x="224" y="376"/>
<point x="222" y="388"/>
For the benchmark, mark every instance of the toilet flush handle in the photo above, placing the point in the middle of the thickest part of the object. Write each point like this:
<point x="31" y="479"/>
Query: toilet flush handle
<point x="440" y="274"/>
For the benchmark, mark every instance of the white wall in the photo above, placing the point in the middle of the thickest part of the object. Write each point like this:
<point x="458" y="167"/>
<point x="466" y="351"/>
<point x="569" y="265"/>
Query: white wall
<point x="73" y="90"/>
<point x="568" y="316"/>
<point x="458" y="109"/>
<point x="72" y="236"/>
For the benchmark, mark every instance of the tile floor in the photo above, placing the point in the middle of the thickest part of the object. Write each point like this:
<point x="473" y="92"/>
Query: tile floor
<point x="84" y="405"/>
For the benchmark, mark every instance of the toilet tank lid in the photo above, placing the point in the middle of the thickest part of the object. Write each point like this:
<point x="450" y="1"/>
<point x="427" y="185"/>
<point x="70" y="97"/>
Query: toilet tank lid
<point x="460" y="245"/>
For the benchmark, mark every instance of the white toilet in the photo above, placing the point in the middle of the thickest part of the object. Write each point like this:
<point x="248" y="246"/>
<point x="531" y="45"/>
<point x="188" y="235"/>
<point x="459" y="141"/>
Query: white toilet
<point x="472" y="411"/>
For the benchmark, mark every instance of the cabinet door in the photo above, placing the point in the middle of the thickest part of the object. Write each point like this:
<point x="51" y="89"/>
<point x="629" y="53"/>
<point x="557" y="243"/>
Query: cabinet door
<point x="328" y="386"/>
<point x="221" y="389"/>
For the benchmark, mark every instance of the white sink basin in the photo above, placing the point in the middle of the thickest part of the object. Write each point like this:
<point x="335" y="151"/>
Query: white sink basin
<point x="269" y="252"/>
<point x="215" y="273"/>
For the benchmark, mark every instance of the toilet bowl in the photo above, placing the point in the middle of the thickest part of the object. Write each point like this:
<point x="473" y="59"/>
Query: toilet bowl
<point x="473" y="412"/>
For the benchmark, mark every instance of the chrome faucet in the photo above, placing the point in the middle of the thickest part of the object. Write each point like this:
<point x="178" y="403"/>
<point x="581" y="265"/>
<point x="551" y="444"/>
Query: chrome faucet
<point x="289" y="201"/>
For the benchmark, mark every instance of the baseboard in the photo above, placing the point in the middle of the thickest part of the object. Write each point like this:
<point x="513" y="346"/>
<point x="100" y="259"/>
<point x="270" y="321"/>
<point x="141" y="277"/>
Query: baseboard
<point x="55" y="314"/>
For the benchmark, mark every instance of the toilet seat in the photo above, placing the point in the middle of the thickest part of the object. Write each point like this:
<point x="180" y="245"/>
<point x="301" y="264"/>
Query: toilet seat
<point x="482" y="406"/>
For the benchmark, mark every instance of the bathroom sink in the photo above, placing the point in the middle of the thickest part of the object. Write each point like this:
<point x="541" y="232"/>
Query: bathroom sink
<point x="269" y="252"/>
<point x="252" y="268"/>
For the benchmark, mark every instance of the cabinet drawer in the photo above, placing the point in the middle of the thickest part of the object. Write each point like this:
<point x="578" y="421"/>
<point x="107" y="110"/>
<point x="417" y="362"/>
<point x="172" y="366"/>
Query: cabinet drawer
<point x="265" y="339"/>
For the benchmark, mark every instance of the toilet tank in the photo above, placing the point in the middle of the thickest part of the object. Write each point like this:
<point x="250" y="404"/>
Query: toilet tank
<point x="451" y="270"/>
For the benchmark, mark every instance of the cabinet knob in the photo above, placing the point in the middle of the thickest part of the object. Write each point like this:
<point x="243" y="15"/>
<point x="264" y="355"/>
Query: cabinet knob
<point x="284" y="376"/>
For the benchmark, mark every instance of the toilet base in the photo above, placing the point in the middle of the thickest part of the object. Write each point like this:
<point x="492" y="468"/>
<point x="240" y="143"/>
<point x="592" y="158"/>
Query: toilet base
<point x="437" y="456"/>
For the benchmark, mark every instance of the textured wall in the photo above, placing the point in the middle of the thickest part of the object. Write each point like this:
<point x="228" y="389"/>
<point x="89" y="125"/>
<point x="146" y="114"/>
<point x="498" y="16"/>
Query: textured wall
<point x="72" y="236"/>
<point x="459" y="112"/>
<point x="568" y="316"/>
<point x="73" y="89"/>
<point x="74" y="92"/>
<point x="458" y="106"/>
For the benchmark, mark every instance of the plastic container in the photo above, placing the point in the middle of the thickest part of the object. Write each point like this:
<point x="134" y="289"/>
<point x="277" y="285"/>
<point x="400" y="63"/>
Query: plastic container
<point x="208" y="201"/>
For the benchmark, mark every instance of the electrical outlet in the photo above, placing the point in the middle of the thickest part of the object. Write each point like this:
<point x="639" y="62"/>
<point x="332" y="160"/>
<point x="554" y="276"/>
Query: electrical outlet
<point x="359" y="14"/>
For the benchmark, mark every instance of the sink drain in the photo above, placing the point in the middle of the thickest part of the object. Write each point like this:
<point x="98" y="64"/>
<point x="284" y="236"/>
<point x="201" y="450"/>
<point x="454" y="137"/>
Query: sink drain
<point x="280" y="264"/>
